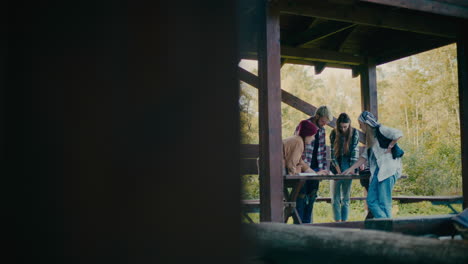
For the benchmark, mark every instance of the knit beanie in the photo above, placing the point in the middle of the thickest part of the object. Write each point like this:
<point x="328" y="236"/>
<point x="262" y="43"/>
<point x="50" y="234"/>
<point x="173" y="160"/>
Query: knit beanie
<point x="307" y="128"/>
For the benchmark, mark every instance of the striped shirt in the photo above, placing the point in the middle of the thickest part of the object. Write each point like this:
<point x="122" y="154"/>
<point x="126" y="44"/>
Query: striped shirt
<point x="321" y="150"/>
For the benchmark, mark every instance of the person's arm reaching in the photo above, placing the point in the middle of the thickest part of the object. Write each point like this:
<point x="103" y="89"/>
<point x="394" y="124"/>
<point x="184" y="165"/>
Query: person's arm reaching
<point x="356" y="165"/>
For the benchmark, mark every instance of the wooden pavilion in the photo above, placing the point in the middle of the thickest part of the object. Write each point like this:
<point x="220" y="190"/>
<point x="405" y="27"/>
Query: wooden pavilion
<point x="352" y="34"/>
<point x="107" y="109"/>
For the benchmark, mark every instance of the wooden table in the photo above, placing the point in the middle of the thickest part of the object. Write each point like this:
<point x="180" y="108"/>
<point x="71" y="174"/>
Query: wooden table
<point x="295" y="183"/>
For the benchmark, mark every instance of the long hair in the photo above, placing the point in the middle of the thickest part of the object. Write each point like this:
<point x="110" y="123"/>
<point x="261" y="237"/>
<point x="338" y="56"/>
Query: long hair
<point x="343" y="118"/>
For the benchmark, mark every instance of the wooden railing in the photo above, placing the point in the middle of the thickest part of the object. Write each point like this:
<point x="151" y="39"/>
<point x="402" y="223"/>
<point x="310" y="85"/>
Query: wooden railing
<point x="250" y="153"/>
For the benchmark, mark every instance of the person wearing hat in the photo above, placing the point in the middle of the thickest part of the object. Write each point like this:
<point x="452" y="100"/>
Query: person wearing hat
<point x="293" y="147"/>
<point x="315" y="155"/>
<point x="384" y="168"/>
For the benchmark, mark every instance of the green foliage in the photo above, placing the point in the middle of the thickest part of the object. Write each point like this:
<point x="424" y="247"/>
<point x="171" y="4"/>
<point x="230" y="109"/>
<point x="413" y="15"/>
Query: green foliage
<point x="418" y="95"/>
<point x="322" y="211"/>
<point x="250" y="187"/>
<point x="248" y="104"/>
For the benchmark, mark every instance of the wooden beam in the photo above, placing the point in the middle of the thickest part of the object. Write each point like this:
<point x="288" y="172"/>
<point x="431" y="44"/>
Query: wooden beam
<point x="313" y="63"/>
<point x="248" y="166"/>
<point x="452" y="8"/>
<point x="373" y="15"/>
<point x="339" y="39"/>
<point x="462" y="57"/>
<point x="355" y="72"/>
<point x="283" y="61"/>
<point x="271" y="178"/>
<point x="369" y="88"/>
<point x="391" y="54"/>
<point x="249" y="151"/>
<point x="320" y="55"/>
<point x="248" y="77"/>
<point x="319" y="67"/>
<point x="384" y="50"/>
<point x="309" y="62"/>
<point x="302" y="106"/>
<point x="334" y="43"/>
<point x="318" y="32"/>
<point x="289" y="99"/>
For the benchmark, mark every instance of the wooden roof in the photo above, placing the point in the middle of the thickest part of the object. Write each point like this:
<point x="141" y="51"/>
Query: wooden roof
<point x="347" y="33"/>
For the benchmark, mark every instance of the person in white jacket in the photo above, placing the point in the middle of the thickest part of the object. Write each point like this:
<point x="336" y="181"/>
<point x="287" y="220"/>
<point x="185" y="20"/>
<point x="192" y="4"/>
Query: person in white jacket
<point x="385" y="170"/>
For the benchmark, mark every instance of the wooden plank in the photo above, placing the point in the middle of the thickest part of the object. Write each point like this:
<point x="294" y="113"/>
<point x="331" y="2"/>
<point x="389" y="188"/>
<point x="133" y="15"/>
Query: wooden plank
<point x="452" y="8"/>
<point x="271" y="182"/>
<point x="462" y="57"/>
<point x="248" y="77"/>
<point x="320" y="55"/>
<point x="253" y="56"/>
<point x="378" y="16"/>
<point x="416" y="199"/>
<point x="390" y="50"/>
<point x="293" y="178"/>
<point x="407" y="199"/>
<point x="401" y="199"/>
<point x="248" y="166"/>
<point x="355" y="72"/>
<point x="313" y="63"/>
<point x="318" y="32"/>
<point x="319" y="67"/>
<point x="369" y="88"/>
<point x="249" y="151"/>
<point x="328" y="199"/>
<point x="283" y="61"/>
<point x="334" y="43"/>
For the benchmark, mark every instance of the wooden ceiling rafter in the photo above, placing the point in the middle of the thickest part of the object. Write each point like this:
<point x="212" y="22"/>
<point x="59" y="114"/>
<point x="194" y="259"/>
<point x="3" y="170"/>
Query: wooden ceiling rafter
<point x="315" y="33"/>
<point x="456" y="8"/>
<point x="373" y="15"/>
<point x="314" y="63"/>
<point x="321" y="55"/>
<point x="335" y="43"/>
<point x="319" y="67"/>
<point x="319" y="29"/>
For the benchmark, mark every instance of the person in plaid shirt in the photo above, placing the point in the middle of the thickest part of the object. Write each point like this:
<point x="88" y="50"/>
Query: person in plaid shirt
<point x="315" y="155"/>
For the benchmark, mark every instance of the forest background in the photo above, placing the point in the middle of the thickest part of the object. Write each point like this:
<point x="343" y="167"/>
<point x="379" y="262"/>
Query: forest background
<point x="417" y="94"/>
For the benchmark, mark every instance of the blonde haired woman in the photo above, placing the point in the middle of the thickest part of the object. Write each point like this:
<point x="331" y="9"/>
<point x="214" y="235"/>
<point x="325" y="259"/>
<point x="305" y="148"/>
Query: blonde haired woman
<point x="385" y="170"/>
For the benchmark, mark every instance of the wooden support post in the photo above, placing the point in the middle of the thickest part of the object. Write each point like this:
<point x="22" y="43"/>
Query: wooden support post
<point x="462" y="55"/>
<point x="369" y="87"/>
<point x="271" y="178"/>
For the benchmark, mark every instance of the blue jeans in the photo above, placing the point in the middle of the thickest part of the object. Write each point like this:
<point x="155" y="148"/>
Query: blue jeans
<point x="379" y="196"/>
<point x="305" y="201"/>
<point x="340" y="191"/>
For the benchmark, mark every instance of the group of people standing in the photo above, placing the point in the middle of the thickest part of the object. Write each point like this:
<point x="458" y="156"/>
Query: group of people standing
<point x="305" y="151"/>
